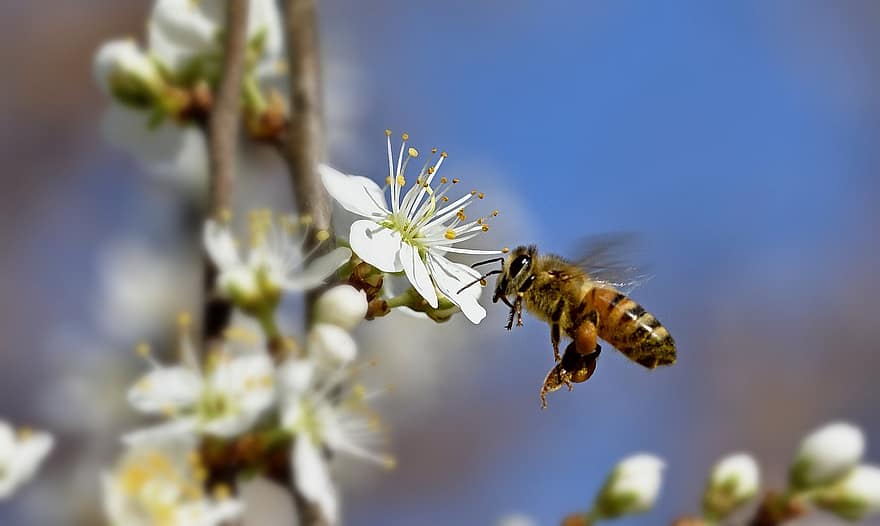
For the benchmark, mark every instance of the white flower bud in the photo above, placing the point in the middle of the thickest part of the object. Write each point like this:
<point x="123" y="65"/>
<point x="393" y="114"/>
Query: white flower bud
<point x="631" y="488"/>
<point x="827" y="454"/>
<point x="330" y="341"/>
<point x="734" y="480"/>
<point x="122" y="70"/>
<point x="856" y="496"/>
<point x="343" y="306"/>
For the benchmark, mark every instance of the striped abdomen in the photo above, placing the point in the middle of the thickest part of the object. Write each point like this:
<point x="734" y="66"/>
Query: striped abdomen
<point x="631" y="329"/>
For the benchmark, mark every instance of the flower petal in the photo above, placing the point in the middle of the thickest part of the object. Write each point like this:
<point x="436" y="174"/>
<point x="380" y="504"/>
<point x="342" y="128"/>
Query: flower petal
<point x="417" y="273"/>
<point x="376" y="245"/>
<point x="331" y="342"/>
<point x="220" y="245"/>
<point x="355" y="193"/>
<point x="175" y="429"/>
<point x="318" y="270"/>
<point x="166" y="388"/>
<point x="450" y="277"/>
<point x="313" y="478"/>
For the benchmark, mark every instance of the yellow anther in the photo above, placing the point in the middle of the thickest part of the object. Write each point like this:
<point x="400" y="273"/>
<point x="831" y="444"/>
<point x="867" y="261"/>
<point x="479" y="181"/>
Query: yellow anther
<point x="401" y="181"/>
<point x="322" y="235"/>
<point x="184" y="320"/>
<point x="387" y="133"/>
<point x="443" y="180"/>
<point x="221" y="492"/>
<point x="412" y="152"/>
<point x="359" y="391"/>
<point x="430" y="170"/>
<point x="433" y="150"/>
<point x="200" y="474"/>
<point x="387" y="179"/>
<point x="481" y="195"/>
<point x="143" y="349"/>
<point x="450" y="234"/>
<point x="483" y="282"/>
<point x="194" y="459"/>
<point x="456" y="181"/>
<point x="460" y="215"/>
<point x="389" y="462"/>
<point x="505" y="250"/>
<point x="445" y="199"/>
<point x="473" y="192"/>
<point x="404" y="136"/>
<point x="480" y="221"/>
<point x="485" y="228"/>
<point x="305" y="219"/>
<point x="444" y="154"/>
<point x="168" y="410"/>
<point x="24" y="432"/>
<point x="494" y="213"/>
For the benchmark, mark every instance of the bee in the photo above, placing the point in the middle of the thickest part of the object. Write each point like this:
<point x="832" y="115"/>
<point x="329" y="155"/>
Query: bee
<point x="583" y="301"/>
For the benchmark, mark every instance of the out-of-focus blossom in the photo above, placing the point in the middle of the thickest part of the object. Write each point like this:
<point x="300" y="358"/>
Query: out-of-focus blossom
<point x="631" y="488"/>
<point x="161" y="483"/>
<point x="225" y="401"/>
<point x="21" y="453"/>
<point x="854" y="497"/>
<point x="827" y="454"/>
<point x="734" y="480"/>
<point x="126" y="73"/>
<point x="343" y="306"/>
<point x="416" y="231"/>
<point x="275" y="261"/>
<point x="330" y="342"/>
<point x="324" y="412"/>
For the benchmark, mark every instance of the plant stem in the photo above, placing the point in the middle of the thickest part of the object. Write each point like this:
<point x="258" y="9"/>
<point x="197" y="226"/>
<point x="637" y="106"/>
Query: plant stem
<point x="303" y="149"/>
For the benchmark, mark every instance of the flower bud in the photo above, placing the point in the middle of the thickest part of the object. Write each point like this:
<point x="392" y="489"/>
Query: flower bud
<point x="733" y="482"/>
<point x="343" y="306"/>
<point x="122" y="70"/>
<point x="854" y="497"/>
<point x="826" y="455"/>
<point x="631" y="488"/>
<point x="330" y="341"/>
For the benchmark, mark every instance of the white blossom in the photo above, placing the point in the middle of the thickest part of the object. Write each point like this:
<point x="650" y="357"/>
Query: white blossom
<point x="343" y="306"/>
<point x="21" y="454"/>
<point x="121" y="69"/>
<point x="414" y="233"/>
<point x="827" y="454"/>
<point x="225" y="401"/>
<point x="734" y="480"/>
<point x="632" y="487"/>
<point x="161" y="483"/>
<point x="275" y="261"/>
<point x="322" y="413"/>
<point x="328" y="341"/>
<point x="854" y="497"/>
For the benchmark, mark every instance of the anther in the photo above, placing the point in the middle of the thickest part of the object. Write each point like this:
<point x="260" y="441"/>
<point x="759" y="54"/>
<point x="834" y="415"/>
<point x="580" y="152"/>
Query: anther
<point x="433" y="150"/>
<point x="456" y="181"/>
<point x="444" y="154"/>
<point x="222" y="492"/>
<point x="401" y="181"/>
<point x="430" y="170"/>
<point x="443" y="180"/>
<point x="143" y="350"/>
<point x="494" y="213"/>
<point x="225" y="215"/>
<point x="322" y="235"/>
<point x="404" y="136"/>
<point x="450" y="235"/>
<point x="184" y="320"/>
<point x="505" y="250"/>
<point x="445" y="199"/>
<point x="485" y="228"/>
<point x="305" y="219"/>
<point x="387" y="133"/>
<point x="460" y="215"/>
<point x="483" y="282"/>
<point x="473" y="192"/>
<point x="481" y="195"/>
<point x="412" y="152"/>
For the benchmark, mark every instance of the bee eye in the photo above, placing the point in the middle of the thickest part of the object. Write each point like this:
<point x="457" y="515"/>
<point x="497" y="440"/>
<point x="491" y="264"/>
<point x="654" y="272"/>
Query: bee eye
<point x="518" y="264"/>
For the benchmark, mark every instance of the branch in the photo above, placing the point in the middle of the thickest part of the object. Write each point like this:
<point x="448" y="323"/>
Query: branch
<point x="303" y="149"/>
<point x="223" y="128"/>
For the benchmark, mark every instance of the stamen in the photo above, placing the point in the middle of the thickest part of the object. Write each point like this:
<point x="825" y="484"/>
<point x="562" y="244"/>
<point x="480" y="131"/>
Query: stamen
<point x="481" y="195"/>
<point x="460" y="215"/>
<point x="404" y="136"/>
<point x="485" y="228"/>
<point x="387" y="133"/>
<point x="184" y="320"/>
<point x="443" y="180"/>
<point x="222" y="492"/>
<point x="401" y="181"/>
<point x="444" y="155"/>
<point x="494" y="213"/>
<point x="444" y="199"/>
<point x="456" y="181"/>
<point x="505" y="250"/>
<point x="450" y="235"/>
<point x="225" y="215"/>
<point x="412" y="152"/>
<point x="144" y="351"/>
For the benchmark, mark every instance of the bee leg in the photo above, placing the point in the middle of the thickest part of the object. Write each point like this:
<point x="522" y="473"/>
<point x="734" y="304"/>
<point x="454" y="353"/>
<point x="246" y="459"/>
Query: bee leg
<point x="517" y="307"/>
<point x="510" y="316"/>
<point x="554" y="339"/>
<point x="556" y="378"/>
<point x="585" y="337"/>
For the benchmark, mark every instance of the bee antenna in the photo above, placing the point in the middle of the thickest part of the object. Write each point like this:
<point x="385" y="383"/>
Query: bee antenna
<point x="478" y="280"/>
<point x="493" y="260"/>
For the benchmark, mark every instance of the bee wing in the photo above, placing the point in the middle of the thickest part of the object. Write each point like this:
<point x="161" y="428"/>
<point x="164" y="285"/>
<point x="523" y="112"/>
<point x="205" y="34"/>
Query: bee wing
<point x="606" y="258"/>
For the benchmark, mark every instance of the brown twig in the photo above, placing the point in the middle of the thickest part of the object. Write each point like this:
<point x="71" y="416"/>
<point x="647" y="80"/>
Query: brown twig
<point x="303" y="149"/>
<point x="775" y="510"/>
<point x="223" y="129"/>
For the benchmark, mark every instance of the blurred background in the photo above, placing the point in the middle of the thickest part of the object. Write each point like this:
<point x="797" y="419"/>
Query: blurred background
<point x="740" y="140"/>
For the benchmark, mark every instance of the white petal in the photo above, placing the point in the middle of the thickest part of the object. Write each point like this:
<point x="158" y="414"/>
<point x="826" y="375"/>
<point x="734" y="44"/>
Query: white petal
<point x="355" y="193"/>
<point x="220" y="245"/>
<point x="247" y="380"/>
<point x="166" y="388"/>
<point x="330" y="341"/>
<point x="450" y="277"/>
<point x="265" y="17"/>
<point x="30" y="452"/>
<point x="175" y="429"/>
<point x="343" y="306"/>
<point x="181" y="29"/>
<point x="376" y="245"/>
<point x="417" y="273"/>
<point x="313" y="478"/>
<point x="124" y="57"/>
<point x="295" y="376"/>
<point x="318" y="270"/>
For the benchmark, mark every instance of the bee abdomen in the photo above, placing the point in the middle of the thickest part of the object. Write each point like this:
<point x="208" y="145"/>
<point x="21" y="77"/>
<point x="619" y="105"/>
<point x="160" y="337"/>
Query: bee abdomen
<point x="632" y="330"/>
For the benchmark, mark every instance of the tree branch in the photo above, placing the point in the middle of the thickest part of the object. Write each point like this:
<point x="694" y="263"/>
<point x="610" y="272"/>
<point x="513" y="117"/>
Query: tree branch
<point x="303" y="149"/>
<point x="223" y="129"/>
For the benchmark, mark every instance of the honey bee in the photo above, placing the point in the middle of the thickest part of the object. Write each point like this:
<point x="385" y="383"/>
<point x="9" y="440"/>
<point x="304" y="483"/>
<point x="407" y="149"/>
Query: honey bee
<point x="584" y="301"/>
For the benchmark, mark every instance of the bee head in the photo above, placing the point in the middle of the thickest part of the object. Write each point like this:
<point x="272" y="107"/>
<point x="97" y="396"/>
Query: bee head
<point x="515" y="270"/>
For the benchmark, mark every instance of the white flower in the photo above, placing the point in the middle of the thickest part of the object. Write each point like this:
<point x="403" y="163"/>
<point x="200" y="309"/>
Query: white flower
<point x="20" y="456"/>
<point x="856" y="496"/>
<point x="734" y="480"/>
<point x="321" y="414"/>
<point x="182" y="30"/>
<point x="343" y="306"/>
<point x="160" y="483"/>
<point x="827" y="454"/>
<point x="274" y="263"/>
<point x="225" y="402"/>
<point x="124" y="71"/>
<point x="413" y="234"/>
<point x="329" y="341"/>
<point x="632" y="487"/>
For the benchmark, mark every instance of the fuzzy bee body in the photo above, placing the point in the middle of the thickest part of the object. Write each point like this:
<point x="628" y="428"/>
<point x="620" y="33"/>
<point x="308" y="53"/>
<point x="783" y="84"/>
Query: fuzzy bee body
<point x="583" y="308"/>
